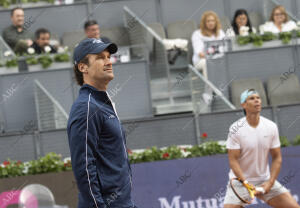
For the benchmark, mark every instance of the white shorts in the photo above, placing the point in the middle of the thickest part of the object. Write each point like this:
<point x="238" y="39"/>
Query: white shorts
<point x="277" y="189"/>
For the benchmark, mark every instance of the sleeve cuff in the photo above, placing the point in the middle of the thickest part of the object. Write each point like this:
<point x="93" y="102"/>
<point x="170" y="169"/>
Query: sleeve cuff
<point x="233" y="147"/>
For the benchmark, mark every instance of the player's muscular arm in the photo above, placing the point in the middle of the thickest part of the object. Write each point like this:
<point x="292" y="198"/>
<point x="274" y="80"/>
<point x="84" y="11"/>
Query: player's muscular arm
<point x="275" y="168"/>
<point x="233" y="156"/>
<point x="276" y="163"/>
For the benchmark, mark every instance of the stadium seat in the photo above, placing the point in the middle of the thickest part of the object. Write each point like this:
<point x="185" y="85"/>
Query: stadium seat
<point x="160" y="31"/>
<point x="283" y="91"/>
<point x="139" y="38"/>
<point x="71" y="39"/>
<point x="238" y="86"/>
<point x="256" y="19"/>
<point x="183" y="29"/>
<point x="158" y="28"/>
<point x="116" y="35"/>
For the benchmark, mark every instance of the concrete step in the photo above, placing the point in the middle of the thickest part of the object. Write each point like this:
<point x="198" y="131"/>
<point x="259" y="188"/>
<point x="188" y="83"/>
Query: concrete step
<point x="173" y="108"/>
<point x="159" y="88"/>
<point x="167" y="101"/>
<point x="175" y="94"/>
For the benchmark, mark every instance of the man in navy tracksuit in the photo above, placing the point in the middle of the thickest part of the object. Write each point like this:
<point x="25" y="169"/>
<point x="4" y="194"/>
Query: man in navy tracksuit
<point x="96" y="138"/>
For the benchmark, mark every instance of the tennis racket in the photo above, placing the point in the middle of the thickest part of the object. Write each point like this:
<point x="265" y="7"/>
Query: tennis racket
<point x="244" y="190"/>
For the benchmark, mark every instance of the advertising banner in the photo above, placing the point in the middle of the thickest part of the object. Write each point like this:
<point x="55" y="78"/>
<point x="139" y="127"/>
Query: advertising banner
<point x="200" y="182"/>
<point x="185" y="183"/>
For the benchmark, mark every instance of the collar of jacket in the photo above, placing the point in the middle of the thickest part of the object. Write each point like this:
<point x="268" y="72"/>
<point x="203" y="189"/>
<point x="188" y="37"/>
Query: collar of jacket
<point x="96" y="94"/>
<point x="16" y="28"/>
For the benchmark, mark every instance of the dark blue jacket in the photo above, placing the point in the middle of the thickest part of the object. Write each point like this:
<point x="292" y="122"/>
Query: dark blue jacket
<point x="98" y="152"/>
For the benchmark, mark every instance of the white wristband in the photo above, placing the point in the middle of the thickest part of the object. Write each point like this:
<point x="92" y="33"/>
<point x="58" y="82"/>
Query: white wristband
<point x="260" y="189"/>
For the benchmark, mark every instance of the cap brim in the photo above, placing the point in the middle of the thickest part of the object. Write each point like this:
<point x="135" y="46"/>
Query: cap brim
<point x="111" y="47"/>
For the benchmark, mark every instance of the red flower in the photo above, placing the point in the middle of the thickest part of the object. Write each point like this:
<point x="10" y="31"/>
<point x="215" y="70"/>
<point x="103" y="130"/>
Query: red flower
<point x="166" y="155"/>
<point x="129" y="151"/>
<point x="5" y="163"/>
<point x="204" y="135"/>
<point x="19" y="162"/>
<point x="67" y="164"/>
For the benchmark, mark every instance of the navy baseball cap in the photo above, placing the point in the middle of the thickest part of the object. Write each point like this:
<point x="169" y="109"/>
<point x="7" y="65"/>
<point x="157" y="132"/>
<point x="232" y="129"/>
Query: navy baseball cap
<point x="92" y="46"/>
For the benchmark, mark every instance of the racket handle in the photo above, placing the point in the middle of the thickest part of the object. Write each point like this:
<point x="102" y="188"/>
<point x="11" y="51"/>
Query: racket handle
<point x="248" y="185"/>
<point x="260" y="189"/>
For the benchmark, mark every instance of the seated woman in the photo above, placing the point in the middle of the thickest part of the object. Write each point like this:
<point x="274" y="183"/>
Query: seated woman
<point x="240" y="19"/>
<point x="279" y="22"/>
<point x="210" y="29"/>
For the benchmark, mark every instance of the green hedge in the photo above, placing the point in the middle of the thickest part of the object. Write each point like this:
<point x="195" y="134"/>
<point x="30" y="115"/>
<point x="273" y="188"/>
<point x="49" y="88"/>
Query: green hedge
<point x="7" y="3"/>
<point x="45" y="60"/>
<point x="53" y="162"/>
<point x="258" y="40"/>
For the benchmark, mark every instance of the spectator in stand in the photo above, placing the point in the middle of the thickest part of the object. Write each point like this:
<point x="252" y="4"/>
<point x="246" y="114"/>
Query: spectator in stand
<point x="279" y="22"/>
<point x="92" y="30"/>
<point x="42" y="42"/>
<point x="241" y="24"/>
<point x="210" y="29"/>
<point x="16" y="35"/>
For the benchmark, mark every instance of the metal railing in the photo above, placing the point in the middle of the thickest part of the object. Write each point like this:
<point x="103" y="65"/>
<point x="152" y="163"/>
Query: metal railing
<point x="50" y="114"/>
<point x="141" y="33"/>
<point x="206" y="97"/>
<point x="5" y="51"/>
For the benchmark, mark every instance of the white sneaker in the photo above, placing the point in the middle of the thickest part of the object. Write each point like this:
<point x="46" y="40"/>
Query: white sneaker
<point x="207" y="98"/>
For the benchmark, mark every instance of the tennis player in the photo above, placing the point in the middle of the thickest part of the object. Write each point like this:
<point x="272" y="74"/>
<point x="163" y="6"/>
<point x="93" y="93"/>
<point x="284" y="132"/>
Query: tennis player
<point x="96" y="138"/>
<point x="249" y="142"/>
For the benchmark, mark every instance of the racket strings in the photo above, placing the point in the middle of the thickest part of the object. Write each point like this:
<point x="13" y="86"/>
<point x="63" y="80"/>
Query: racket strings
<point x="242" y="191"/>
